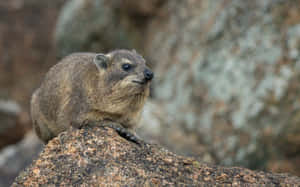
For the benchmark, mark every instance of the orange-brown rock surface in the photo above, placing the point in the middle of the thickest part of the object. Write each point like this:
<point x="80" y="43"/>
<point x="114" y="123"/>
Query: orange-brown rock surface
<point x="94" y="156"/>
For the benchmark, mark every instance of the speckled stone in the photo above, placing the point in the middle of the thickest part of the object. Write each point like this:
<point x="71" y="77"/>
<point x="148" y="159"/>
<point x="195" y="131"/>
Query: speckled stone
<point x="94" y="156"/>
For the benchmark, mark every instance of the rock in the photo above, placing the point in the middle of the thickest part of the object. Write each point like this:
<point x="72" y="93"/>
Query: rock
<point x="94" y="156"/>
<point x="143" y="7"/>
<point x="13" y="125"/>
<point x="15" y="158"/>
<point x="26" y="46"/>
<point x="155" y="129"/>
<point x="101" y="25"/>
<point x="93" y="25"/>
<point x="228" y="71"/>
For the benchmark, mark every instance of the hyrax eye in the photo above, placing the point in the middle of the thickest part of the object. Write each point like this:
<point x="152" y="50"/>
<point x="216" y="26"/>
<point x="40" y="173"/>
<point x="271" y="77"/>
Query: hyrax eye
<point x="126" y="67"/>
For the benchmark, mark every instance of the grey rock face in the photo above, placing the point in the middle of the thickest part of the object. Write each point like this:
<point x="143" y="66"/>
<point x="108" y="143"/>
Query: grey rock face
<point x="15" y="158"/>
<point x="92" y="25"/>
<point x="228" y="70"/>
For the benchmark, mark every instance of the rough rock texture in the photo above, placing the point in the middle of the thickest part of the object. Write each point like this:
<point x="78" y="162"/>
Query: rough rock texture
<point x="228" y="71"/>
<point x="94" y="156"/>
<point x="15" y="158"/>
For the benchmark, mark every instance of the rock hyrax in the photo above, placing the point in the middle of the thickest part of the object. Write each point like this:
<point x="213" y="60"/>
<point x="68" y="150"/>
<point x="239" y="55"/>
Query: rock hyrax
<point x="91" y="87"/>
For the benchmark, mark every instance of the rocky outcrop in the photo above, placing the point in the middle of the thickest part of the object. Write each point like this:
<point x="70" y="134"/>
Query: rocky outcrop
<point x="94" y="156"/>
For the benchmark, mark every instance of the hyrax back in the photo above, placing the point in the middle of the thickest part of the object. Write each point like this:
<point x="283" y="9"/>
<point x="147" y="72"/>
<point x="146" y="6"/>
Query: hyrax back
<point x="91" y="87"/>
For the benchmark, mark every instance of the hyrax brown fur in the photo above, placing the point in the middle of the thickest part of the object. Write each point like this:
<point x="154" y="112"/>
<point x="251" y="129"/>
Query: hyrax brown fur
<point x="91" y="87"/>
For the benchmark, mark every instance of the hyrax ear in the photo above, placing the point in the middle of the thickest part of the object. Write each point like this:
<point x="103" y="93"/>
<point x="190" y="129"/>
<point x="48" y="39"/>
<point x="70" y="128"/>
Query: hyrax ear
<point x="101" y="61"/>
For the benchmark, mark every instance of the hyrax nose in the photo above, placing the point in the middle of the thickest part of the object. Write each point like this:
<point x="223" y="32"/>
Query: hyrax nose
<point x="148" y="75"/>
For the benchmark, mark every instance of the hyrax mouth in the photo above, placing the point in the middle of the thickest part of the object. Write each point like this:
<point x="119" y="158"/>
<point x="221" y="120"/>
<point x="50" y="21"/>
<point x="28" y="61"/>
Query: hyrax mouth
<point x="139" y="82"/>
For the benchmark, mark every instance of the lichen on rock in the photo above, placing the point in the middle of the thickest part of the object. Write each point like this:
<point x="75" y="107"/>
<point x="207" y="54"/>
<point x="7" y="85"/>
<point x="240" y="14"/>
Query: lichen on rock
<point x="229" y="65"/>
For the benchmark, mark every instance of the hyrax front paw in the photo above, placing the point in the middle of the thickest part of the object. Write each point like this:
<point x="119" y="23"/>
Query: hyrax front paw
<point x="125" y="133"/>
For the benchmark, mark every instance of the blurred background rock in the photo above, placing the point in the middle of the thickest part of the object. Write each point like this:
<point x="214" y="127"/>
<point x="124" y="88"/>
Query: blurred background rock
<point x="226" y="88"/>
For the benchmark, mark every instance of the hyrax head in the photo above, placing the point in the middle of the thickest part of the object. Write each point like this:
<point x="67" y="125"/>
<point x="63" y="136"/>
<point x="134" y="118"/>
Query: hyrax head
<point x="125" y="77"/>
